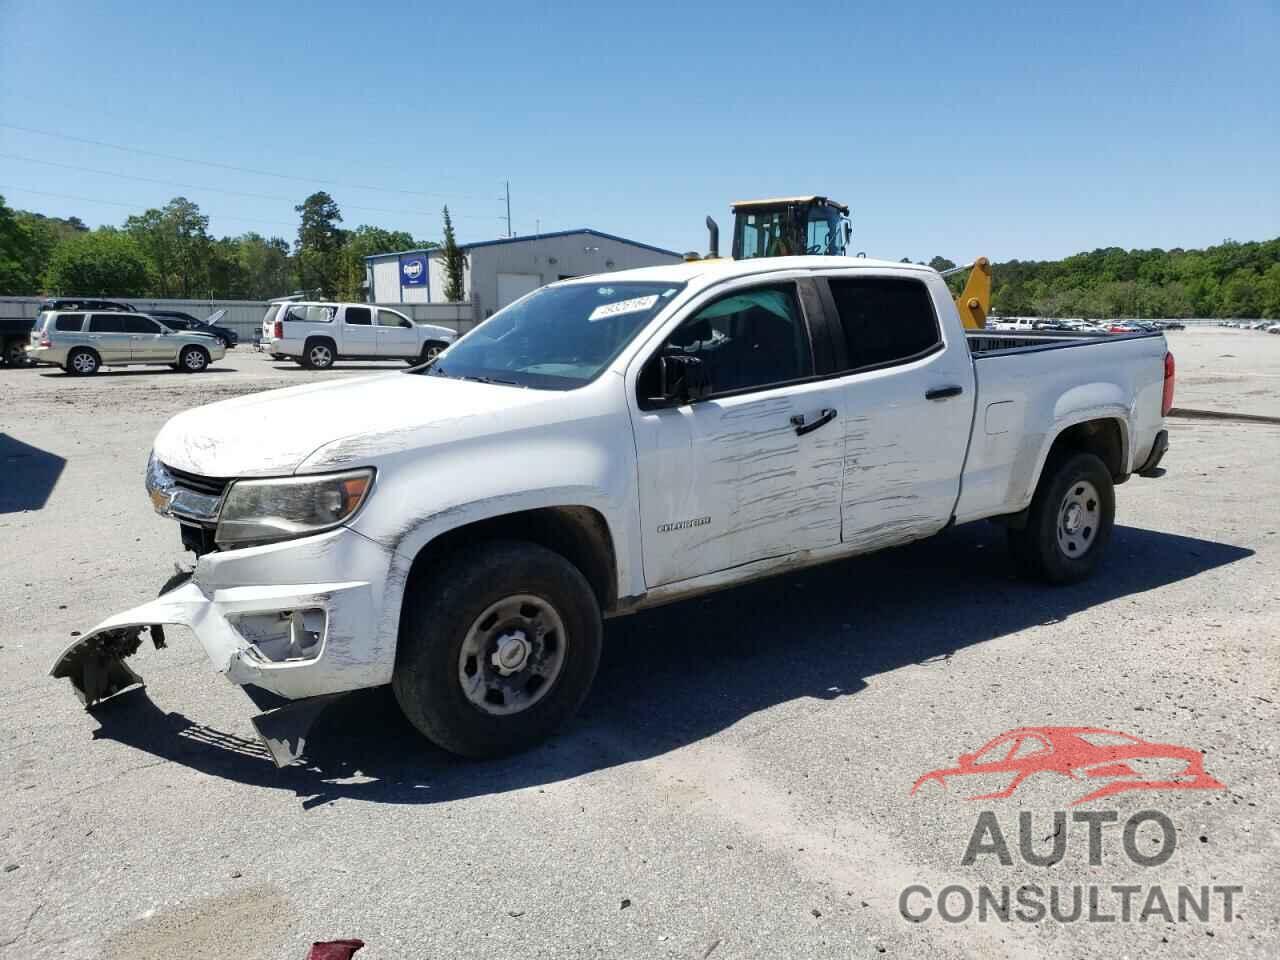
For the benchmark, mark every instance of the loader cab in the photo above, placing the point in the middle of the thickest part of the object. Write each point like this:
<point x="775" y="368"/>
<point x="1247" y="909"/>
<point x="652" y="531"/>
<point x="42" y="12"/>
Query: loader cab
<point x="790" y="227"/>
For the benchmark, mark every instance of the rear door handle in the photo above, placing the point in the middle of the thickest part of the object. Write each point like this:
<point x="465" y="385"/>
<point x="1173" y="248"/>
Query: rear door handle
<point x="798" y="421"/>
<point x="942" y="393"/>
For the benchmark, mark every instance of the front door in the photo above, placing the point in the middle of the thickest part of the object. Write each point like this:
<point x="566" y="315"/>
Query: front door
<point x="754" y="470"/>
<point x="147" y="342"/>
<point x="359" y="338"/>
<point x="396" y="335"/>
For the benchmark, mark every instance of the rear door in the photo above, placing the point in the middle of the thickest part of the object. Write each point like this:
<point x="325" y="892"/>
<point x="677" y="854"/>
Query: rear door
<point x="358" y="336"/>
<point x="753" y="471"/>
<point x="908" y="402"/>
<point x="106" y="334"/>
<point x="147" y="341"/>
<point x="396" y="334"/>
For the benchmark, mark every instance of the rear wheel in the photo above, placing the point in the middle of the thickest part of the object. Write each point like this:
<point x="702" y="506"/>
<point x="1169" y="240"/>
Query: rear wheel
<point x="82" y="362"/>
<point x="499" y="650"/>
<point x="15" y="354"/>
<point x="430" y="350"/>
<point x="318" y="355"/>
<point x="193" y="359"/>
<point x="1069" y="522"/>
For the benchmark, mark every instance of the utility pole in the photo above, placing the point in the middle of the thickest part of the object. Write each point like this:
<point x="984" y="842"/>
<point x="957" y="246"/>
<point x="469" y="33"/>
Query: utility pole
<point x="507" y="184"/>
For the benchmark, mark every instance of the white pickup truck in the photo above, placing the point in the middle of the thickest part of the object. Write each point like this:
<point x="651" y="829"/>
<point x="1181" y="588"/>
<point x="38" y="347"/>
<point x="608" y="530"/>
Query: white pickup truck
<point x="317" y="334"/>
<point x="610" y="443"/>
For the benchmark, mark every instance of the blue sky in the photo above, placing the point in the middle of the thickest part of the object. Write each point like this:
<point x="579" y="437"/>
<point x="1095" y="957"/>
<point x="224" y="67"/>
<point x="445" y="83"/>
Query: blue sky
<point x="1027" y="133"/>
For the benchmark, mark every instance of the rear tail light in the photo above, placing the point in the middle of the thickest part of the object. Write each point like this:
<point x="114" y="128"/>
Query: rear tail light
<point x="1166" y="401"/>
<point x="277" y="330"/>
<point x="44" y="339"/>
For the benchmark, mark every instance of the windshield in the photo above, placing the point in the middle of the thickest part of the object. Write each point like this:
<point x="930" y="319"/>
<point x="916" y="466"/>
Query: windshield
<point x="557" y="338"/>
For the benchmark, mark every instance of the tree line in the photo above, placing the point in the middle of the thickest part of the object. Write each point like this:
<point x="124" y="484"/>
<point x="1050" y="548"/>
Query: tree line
<point x="1231" y="279"/>
<point x="167" y="252"/>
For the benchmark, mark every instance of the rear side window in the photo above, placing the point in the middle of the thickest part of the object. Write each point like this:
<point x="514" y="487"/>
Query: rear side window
<point x="310" y="314"/>
<point x="107" y="323"/>
<point x="270" y="315"/>
<point x="69" y="322"/>
<point x="359" y="316"/>
<point x="885" y="319"/>
<point x="136" y="324"/>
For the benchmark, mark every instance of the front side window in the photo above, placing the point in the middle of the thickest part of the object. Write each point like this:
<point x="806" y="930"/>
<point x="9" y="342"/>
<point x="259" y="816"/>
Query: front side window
<point x="359" y="316"/>
<point x="745" y="340"/>
<point x="885" y="319"/>
<point x="107" y="323"/>
<point x="69" y="322"/>
<point x="389" y="318"/>
<point x="557" y="338"/>
<point x="136" y="324"/>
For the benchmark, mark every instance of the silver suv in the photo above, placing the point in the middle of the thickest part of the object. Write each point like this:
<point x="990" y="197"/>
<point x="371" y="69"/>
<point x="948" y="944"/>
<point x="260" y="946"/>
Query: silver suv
<point x="82" y="342"/>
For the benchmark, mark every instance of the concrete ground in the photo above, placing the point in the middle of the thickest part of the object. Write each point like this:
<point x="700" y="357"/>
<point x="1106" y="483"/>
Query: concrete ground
<point x="739" y="782"/>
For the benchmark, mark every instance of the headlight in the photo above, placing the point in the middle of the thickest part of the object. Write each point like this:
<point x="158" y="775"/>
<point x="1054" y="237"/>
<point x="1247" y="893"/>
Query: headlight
<point x="260" y="511"/>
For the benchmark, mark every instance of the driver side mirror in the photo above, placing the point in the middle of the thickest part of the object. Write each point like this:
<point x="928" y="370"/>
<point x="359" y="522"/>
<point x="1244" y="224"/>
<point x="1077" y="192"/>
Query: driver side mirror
<point x="681" y="379"/>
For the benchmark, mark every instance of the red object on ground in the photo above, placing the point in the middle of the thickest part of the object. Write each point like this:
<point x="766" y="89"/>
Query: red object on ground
<point x="334" y="949"/>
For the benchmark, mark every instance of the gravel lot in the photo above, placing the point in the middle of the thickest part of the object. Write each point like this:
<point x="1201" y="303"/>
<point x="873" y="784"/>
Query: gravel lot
<point x="738" y="785"/>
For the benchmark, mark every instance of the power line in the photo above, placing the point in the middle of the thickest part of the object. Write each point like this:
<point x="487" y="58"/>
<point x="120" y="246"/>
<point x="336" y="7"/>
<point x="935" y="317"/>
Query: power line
<point x="236" y="193"/>
<point x="228" y="166"/>
<point x="132" y="206"/>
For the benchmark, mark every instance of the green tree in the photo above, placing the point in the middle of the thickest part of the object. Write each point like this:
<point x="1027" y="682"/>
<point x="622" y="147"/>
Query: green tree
<point x="17" y="277"/>
<point x="454" y="263"/>
<point x="319" y="247"/>
<point x="266" y="268"/>
<point x="175" y="238"/>
<point x="104" y="262"/>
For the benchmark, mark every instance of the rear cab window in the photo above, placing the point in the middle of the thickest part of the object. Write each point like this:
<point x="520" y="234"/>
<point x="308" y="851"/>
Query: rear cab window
<point x="885" y="320"/>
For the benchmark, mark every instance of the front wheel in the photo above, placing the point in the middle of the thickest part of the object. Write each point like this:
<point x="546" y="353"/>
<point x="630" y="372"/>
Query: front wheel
<point x="193" y="359"/>
<point x="430" y="350"/>
<point x="1069" y="522"/>
<point x="498" y="649"/>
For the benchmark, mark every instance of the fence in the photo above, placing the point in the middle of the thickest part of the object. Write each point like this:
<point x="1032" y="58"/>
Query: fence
<point x="245" y="316"/>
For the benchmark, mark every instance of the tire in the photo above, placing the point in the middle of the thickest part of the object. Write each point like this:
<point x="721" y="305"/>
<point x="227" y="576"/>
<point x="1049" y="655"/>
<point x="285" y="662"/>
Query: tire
<point x="1069" y="522"/>
<point x="193" y="360"/>
<point x="494" y="597"/>
<point x="83" y="362"/>
<point x="318" y="354"/>
<point x="15" y="353"/>
<point x="430" y="350"/>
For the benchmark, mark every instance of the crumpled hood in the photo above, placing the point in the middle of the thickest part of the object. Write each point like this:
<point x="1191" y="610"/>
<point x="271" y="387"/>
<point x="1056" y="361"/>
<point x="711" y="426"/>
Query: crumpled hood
<point x="274" y="433"/>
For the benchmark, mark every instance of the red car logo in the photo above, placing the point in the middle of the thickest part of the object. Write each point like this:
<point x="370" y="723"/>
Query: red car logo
<point x="1126" y="762"/>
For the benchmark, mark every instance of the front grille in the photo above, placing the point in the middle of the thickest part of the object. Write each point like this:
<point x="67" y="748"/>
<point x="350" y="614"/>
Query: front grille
<point x="209" y="486"/>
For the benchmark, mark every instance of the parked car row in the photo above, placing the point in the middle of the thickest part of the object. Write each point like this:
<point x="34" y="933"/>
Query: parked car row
<point x="1270" y="326"/>
<point x="1071" y="325"/>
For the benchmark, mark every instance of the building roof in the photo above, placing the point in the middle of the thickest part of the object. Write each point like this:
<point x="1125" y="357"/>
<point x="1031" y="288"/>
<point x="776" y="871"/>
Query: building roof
<point x="534" y="236"/>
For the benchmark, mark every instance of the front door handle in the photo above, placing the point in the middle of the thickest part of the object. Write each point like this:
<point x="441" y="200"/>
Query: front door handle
<point x="798" y="421"/>
<point x="942" y="393"/>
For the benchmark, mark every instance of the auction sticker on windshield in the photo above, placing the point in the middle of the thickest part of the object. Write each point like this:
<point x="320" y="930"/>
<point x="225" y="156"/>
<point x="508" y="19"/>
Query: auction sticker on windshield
<point x="634" y="305"/>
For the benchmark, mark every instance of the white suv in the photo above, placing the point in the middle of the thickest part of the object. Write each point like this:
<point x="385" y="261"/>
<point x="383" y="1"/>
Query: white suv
<point x="317" y="334"/>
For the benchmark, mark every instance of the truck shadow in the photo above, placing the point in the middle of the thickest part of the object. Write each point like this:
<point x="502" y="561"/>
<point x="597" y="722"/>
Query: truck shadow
<point x="27" y="475"/>
<point x="678" y="674"/>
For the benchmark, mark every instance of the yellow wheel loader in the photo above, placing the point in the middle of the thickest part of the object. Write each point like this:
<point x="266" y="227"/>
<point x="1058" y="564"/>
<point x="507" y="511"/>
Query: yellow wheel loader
<point x="819" y="226"/>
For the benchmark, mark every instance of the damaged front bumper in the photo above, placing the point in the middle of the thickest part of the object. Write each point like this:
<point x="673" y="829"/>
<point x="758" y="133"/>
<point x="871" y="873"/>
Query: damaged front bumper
<point x="311" y="638"/>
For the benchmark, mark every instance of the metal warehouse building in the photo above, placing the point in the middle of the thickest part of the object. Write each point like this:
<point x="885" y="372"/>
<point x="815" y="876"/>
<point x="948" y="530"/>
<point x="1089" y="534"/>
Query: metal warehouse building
<point x="501" y="271"/>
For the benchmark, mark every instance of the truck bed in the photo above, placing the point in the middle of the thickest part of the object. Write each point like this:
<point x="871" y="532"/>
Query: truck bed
<point x="984" y="343"/>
